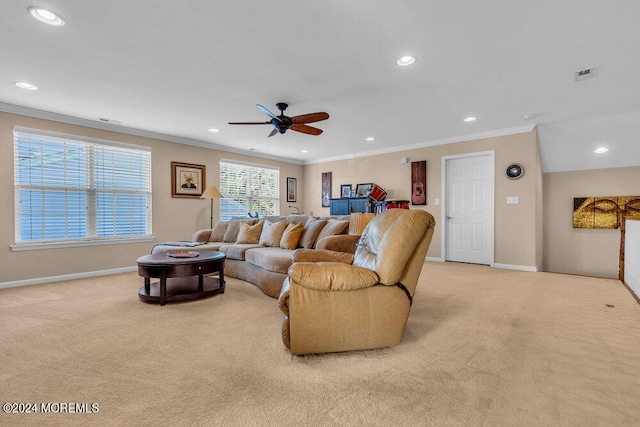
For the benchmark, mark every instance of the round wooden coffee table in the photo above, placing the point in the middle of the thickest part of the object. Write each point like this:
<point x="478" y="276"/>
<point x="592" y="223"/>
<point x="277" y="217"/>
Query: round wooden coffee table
<point x="182" y="278"/>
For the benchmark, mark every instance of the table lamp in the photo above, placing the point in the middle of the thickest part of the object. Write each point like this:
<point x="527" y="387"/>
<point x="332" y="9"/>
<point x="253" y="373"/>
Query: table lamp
<point x="211" y="192"/>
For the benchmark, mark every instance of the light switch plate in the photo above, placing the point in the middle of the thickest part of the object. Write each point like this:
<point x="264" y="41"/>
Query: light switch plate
<point x="513" y="200"/>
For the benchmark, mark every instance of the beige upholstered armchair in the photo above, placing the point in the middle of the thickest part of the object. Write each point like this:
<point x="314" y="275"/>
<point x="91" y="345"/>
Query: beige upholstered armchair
<point x="338" y="302"/>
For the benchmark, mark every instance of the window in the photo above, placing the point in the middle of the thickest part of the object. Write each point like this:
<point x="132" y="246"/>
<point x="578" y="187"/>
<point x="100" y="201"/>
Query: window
<point x="73" y="189"/>
<point x="248" y="188"/>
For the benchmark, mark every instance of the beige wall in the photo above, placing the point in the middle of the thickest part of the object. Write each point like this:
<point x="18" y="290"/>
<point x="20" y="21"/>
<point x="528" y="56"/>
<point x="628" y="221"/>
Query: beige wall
<point x="173" y="218"/>
<point x="517" y="227"/>
<point x="520" y="238"/>
<point x="592" y="252"/>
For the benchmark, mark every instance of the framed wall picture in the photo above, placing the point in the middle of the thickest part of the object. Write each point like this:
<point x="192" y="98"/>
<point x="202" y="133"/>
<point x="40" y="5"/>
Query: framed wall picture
<point x="362" y="190"/>
<point x="419" y="183"/>
<point x="345" y="190"/>
<point x="326" y="189"/>
<point x="603" y="212"/>
<point x="187" y="180"/>
<point x="292" y="189"/>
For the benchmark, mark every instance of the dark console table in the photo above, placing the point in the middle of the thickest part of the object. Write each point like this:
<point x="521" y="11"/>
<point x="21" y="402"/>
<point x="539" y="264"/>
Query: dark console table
<point x="348" y="205"/>
<point x="181" y="278"/>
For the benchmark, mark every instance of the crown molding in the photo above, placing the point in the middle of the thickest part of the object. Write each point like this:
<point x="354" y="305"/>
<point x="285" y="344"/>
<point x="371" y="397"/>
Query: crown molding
<point x="431" y="143"/>
<point x="47" y="115"/>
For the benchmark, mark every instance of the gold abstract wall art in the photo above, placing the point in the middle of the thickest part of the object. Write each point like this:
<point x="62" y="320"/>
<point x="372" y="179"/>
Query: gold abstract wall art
<point x="603" y="212"/>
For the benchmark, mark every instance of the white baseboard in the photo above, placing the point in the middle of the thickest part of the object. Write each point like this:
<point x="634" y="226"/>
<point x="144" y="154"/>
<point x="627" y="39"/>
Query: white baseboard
<point x="434" y="259"/>
<point x="516" y="267"/>
<point x="40" y="280"/>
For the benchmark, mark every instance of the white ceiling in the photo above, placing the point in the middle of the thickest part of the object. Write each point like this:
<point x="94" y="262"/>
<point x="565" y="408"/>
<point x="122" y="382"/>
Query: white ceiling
<point x="179" y="68"/>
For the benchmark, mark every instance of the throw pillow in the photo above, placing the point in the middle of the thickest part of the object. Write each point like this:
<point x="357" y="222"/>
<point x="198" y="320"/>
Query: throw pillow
<point x="291" y="236"/>
<point x="332" y="228"/>
<point x="310" y="233"/>
<point x="231" y="235"/>
<point x="272" y="233"/>
<point x="218" y="230"/>
<point x="249" y="233"/>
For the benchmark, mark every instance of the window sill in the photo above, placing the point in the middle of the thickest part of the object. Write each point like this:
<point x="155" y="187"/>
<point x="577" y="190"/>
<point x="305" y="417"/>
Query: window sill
<point x="77" y="243"/>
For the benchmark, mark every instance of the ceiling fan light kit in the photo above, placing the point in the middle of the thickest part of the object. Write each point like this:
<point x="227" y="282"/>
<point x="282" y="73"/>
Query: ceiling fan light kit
<point x="283" y="123"/>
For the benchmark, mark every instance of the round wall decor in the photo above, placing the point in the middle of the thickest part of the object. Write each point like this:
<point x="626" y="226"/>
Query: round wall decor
<point x="514" y="171"/>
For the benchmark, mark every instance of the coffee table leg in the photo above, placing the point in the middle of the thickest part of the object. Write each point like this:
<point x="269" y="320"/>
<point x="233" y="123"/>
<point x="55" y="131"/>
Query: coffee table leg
<point x="221" y="280"/>
<point x="163" y="288"/>
<point x="200" y="283"/>
<point x="147" y="285"/>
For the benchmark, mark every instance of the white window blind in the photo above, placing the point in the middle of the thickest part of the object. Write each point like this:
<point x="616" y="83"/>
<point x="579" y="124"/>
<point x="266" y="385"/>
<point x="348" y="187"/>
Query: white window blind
<point x="74" y="189"/>
<point x="248" y="188"/>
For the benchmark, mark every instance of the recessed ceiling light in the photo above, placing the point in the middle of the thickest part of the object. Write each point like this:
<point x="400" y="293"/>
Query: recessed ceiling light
<point x="46" y="16"/>
<point x="214" y="130"/>
<point x="470" y="119"/>
<point x="304" y="151"/>
<point x="25" y="85"/>
<point x="601" y="150"/>
<point x="370" y="139"/>
<point x="406" y="60"/>
<point x="528" y="117"/>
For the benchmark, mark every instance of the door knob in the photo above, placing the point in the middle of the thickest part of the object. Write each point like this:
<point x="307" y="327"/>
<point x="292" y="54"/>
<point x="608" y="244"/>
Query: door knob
<point x="449" y="217"/>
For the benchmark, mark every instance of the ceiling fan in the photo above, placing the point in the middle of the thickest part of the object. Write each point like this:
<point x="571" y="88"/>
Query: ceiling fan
<point x="283" y="123"/>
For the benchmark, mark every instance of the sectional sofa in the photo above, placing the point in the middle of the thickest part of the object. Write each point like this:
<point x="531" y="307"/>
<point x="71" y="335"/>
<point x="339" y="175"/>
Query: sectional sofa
<point x="260" y="251"/>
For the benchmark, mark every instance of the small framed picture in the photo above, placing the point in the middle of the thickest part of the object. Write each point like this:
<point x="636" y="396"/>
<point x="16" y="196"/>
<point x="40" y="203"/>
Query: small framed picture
<point x="345" y="190"/>
<point x="187" y="180"/>
<point x="362" y="190"/>
<point x="292" y="189"/>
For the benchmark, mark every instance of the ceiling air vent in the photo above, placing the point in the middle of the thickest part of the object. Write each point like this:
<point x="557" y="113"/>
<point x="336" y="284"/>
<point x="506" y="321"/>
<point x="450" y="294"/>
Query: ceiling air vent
<point x="113" y="122"/>
<point x="585" y="74"/>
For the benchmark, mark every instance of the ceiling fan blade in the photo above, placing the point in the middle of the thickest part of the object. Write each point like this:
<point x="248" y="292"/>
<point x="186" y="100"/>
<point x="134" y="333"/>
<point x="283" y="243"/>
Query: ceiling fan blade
<point x="249" y="123"/>
<point x="309" y="118"/>
<point x="273" y="132"/>
<point x="306" y="129"/>
<point x="268" y="113"/>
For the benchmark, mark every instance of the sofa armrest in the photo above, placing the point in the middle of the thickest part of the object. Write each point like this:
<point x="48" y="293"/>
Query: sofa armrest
<point x="321" y="255"/>
<point x="340" y="243"/>
<point x="201" y="235"/>
<point x="331" y="276"/>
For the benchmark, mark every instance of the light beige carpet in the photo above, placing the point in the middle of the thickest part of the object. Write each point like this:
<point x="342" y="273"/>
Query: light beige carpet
<point x="482" y="347"/>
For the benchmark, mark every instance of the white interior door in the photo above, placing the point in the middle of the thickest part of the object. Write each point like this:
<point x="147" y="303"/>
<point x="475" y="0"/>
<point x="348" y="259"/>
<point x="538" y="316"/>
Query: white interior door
<point x="468" y="208"/>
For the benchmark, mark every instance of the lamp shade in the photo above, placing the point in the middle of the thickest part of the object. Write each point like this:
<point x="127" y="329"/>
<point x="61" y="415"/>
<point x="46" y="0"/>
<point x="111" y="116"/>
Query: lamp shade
<point x="211" y="192"/>
<point x="358" y="222"/>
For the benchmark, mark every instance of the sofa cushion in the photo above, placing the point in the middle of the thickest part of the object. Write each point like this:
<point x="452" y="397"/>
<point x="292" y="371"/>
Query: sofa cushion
<point x="238" y="250"/>
<point x="310" y="233"/>
<point x="291" y="236"/>
<point x="332" y="228"/>
<point x="298" y="219"/>
<point x="273" y="218"/>
<point x="249" y="233"/>
<point x="218" y="230"/>
<point x="277" y="260"/>
<point x="272" y="232"/>
<point x="231" y="235"/>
